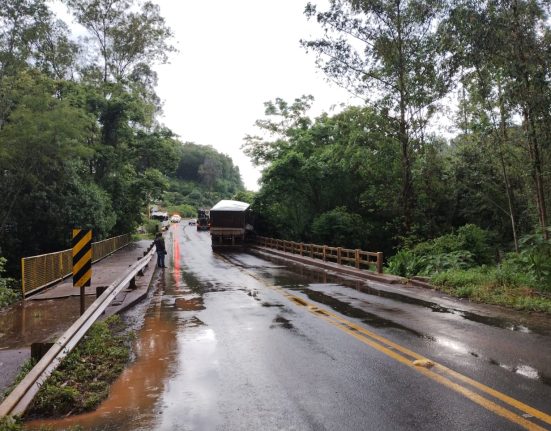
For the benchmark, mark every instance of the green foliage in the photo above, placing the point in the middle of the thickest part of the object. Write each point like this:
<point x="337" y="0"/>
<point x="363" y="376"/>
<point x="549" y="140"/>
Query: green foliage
<point x="213" y="171"/>
<point x="244" y="196"/>
<point x="152" y="226"/>
<point x="533" y="262"/>
<point x="202" y="178"/>
<point x="8" y="294"/>
<point x="9" y="423"/>
<point x="184" y="210"/>
<point x="466" y="248"/>
<point x="83" y="152"/>
<point x="339" y="227"/>
<point x="82" y="380"/>
<point x="493" y="285"/>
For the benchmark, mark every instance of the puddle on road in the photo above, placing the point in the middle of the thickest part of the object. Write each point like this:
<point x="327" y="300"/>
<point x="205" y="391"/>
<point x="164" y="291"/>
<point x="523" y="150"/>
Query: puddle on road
<point x="193" y="304"/>
<point x="305" y="280"/>
<point x="37" y="321"/>
<point x="303" y="276"/>
<point x="138" y="397"/>
<point x="281" y="322"/>
<point x="357" y="313"/>
<point x="523" y="370"/>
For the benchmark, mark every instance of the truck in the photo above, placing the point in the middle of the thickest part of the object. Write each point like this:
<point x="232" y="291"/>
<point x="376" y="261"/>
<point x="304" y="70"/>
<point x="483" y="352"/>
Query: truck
<point x="162" y="217"/>
<point x="203" y="219"/>
<point x="230" y="224"/>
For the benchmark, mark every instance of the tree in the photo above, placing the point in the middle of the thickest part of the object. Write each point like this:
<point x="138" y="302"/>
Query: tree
<point x="502" y="46"/>
<point x="386" y="51"/>
<point x="29" y="36"/>
<point x="126" y="37"/>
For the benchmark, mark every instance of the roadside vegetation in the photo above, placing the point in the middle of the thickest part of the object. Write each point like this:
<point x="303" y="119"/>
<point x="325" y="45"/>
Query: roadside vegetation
<point x="83" y="379"/>
<point x="470" y="212"/>
<point x="80" y="140"/>
<point x="7" y="423"/>
<point x="8" y="292"/>
<point x="463" y="265"/>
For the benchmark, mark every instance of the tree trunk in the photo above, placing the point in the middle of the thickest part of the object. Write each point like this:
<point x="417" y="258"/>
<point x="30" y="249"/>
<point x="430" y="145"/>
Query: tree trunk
<point x="407" y="180"/>
<point x="509" y="190"/>
<point x="523" y="78"/>
<point x="537" y="174"/>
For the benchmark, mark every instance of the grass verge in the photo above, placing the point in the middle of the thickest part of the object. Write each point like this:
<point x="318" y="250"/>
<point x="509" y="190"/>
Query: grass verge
<point x="8" y="423"/>
<point x="492" y="286"/>
<point x="83" y="379"/>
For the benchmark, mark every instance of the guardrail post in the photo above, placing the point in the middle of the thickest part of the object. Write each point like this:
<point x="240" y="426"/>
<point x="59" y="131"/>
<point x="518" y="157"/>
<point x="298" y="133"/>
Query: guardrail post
<point x="132" y="284"/>
<point x="40" y="349"/>
<point x="301" y="248"/>
<point x="312" y="250"/>
<point x="324" y="252"/>
<point x="100" y="290"/>
<point x="357" y="258"/>
<point x="379" y="262"/>
<point x="339" y="251"/>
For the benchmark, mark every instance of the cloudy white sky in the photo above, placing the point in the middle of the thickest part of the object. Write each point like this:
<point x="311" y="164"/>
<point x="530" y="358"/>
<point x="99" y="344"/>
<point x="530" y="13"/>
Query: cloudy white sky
<point x="233" y="56"/>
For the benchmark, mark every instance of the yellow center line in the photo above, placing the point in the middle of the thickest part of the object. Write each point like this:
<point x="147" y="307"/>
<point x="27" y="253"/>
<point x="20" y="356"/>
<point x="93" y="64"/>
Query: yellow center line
<point x="397" y="352"/>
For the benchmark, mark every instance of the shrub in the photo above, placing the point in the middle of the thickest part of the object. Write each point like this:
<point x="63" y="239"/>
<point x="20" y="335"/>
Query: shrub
<point x="465" y="249"/>
<point x="152" y="226"/>
<point x="8" y="292"/>
<point x="339" y="227"/>
<point x="535" y="259"/>
<point x="8" y="423"/>
<point x="405" y="264"/>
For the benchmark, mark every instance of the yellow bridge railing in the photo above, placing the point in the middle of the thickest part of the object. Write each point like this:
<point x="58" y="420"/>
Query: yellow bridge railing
<point x="38" y="272"/>
<point x="343" y="256"/>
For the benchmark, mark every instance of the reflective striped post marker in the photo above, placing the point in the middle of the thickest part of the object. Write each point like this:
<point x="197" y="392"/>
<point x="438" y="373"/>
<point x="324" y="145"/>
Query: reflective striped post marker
<point x="82" y="262"/>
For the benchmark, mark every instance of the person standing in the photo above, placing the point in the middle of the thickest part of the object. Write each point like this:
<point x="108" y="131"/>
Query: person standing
<point x="161" y="249"/>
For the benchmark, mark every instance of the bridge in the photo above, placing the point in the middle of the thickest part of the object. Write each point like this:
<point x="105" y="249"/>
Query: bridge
<point x="273" y="338"/>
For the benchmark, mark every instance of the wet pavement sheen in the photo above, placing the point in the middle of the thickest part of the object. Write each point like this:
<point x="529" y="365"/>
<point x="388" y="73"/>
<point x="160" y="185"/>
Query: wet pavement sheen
<point x="219" y="349"/>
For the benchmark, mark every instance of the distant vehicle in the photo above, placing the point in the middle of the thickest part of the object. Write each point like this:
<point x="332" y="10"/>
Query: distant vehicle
<point x="175" y="218"/>
<point x="192" y="223"/>
<point x="159" y="215"/>
<point x="162" y="217"/>
<point x="230" y="224"/>
<point x="203" y="219"/>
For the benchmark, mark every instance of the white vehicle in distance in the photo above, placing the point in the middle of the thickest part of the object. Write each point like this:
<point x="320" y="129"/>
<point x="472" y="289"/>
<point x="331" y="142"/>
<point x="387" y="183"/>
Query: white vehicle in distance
<point x="175" y="218"/>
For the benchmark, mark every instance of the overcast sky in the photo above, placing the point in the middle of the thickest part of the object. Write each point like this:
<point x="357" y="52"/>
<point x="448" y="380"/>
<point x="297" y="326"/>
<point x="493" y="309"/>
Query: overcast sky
<point x="233" y="56"/>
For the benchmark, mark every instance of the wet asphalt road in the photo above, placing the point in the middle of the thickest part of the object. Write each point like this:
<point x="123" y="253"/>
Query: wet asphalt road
<point x="236" y="341"/>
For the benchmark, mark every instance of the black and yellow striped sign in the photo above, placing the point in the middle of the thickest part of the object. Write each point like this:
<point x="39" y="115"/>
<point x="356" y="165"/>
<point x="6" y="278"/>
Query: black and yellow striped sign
<point x="82" y="257"/>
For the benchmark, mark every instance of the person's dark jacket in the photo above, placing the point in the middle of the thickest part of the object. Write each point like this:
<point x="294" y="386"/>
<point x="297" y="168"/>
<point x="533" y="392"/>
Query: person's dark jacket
<point x="160" y="245"/>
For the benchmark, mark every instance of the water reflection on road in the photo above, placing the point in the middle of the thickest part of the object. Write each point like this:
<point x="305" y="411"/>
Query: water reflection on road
<point x="34" y="321"/>
<point x="134" y="397"/>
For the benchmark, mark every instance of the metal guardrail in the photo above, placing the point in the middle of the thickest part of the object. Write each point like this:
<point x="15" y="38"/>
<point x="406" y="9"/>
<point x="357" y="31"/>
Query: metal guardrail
<point x="343" y="256"/>
<point x="19" y="399"/>
<point x="40" y="271"/>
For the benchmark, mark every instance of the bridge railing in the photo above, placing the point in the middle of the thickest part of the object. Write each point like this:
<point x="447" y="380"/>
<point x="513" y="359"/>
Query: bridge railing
<point x="40" y="271"/>
<point x="357" y="258"/>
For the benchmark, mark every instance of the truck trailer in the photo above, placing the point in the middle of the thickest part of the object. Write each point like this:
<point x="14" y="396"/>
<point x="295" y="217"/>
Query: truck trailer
<point x="229" y="224"/>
